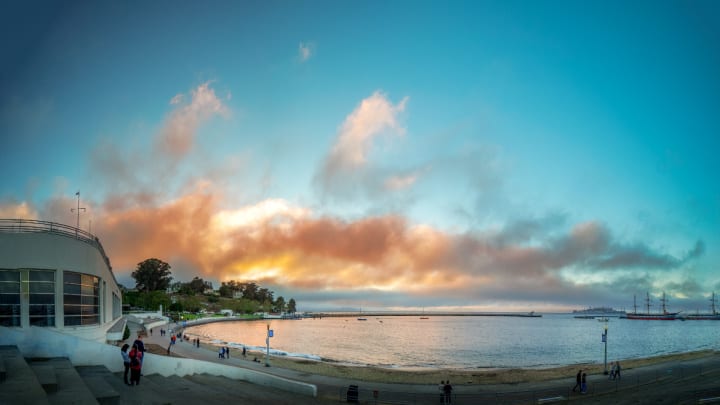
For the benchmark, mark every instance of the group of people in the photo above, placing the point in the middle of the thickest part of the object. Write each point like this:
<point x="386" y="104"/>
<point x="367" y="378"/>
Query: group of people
<point x="581" y="378"/>
<point x="580" y="382"/>
<point x="133" y="361"/>
<point x="133" y="356"/>
<point x="445" y="389"/>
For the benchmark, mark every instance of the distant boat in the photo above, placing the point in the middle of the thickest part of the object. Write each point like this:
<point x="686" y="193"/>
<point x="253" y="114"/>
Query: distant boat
<point x="424" y="317"/>
<point x="714" y="315"/>
<point x="362" y="319"/>
<point x="651" y="316"/>
<point x="603" y="319"/>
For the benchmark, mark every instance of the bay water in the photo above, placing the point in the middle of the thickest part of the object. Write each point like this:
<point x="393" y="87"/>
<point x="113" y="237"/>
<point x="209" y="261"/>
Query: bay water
<point x="464" y="342"/>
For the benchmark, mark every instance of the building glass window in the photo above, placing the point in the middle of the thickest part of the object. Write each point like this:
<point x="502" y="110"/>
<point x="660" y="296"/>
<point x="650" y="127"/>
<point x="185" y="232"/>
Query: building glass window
<point x="9" y="297"/>
<point x="41" y="285"/>
<point x="117" y="306"/>
<point x="81" y="299"/>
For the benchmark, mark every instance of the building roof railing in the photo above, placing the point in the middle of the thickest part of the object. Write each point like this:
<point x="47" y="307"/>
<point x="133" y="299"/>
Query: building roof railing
<point x="35" y="226"/>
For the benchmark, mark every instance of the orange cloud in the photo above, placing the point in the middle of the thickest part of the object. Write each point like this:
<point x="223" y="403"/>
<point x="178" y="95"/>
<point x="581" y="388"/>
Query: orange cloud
<point x="178" y="134"/>
<point x="280" y="243"/>
<point x="348" y="159"/>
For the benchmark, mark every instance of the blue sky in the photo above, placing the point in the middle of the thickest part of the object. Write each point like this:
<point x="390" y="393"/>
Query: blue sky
<point x="462" y="155"/>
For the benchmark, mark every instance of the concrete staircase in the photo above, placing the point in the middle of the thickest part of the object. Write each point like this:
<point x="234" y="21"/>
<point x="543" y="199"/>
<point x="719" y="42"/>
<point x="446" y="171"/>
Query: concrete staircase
<point x="57" y="381"/>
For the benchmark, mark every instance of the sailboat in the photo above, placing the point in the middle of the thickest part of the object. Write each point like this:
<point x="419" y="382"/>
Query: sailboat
<point x="648" y="316"/>
<point x="360" y="318"/>
<point x="714" y="315"/>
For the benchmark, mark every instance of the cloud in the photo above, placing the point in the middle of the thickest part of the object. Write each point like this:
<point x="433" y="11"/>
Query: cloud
<point x="401" y="181"/>
<point x="275" y="242"/>
<point x="305" y="51"/>
<point x="347" y="164"/>
<point x="17" y="210"/>
<point x="374" y="116"/>
<point x="177" y="99"/>
<point x="178" y="134"/>
<point x="186" y="218"/>
<point x="134" y="174"/>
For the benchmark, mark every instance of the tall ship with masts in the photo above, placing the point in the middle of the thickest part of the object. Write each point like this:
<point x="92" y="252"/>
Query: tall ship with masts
<point x="652" y="316"/>
<point x="714" y="315"/>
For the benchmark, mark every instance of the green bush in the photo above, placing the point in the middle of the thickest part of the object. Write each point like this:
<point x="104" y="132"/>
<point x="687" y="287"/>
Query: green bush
<point x="126" y="334"/>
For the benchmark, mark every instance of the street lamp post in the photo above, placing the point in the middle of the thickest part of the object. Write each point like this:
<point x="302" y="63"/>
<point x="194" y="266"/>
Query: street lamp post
<point x="604" y="338"/>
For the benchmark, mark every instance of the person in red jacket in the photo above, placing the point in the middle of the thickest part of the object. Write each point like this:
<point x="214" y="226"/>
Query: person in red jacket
<point x="135" y="365"/>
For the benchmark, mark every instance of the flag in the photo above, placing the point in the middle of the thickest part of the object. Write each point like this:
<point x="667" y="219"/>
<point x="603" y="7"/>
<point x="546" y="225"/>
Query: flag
<point x="77" y="194"/>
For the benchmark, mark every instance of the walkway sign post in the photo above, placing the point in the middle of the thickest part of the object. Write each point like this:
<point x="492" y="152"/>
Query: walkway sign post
<point x="267" y="342"/>
<point x="604" y="339"/>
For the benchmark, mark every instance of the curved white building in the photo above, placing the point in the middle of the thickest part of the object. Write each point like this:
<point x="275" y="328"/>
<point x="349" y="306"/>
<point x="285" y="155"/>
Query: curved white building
<point x="57" y="276"/>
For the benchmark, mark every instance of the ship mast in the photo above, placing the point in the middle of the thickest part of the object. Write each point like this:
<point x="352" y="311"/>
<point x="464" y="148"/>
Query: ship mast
<point x="647" y="301"/>
<point x="635" y="303"/>
<point x="713" y="300"/>
<point x="664" y="302"/>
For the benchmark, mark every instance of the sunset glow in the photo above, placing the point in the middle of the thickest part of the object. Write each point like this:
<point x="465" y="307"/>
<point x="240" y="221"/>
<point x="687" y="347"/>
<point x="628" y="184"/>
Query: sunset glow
<point x="488" y="157"/>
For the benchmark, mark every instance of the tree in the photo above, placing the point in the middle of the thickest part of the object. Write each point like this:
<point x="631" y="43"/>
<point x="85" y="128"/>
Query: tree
<point x="152" y="275"/>
<point x="280" y="304"/>
<point x="249" y="291"/>
<point x="264" y="295"/>
<point x="291" y="306"/>
<point x="197" y="285"/>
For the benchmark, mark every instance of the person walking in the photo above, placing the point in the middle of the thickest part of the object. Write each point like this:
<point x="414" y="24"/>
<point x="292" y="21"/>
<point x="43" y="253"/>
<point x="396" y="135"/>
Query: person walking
<point x="441" y="388"/>
<point x="583" y="386"/>
<point x="448" y="392"/>
<point x="617" y="370"/>
<point x="126" y="362"/>
<point x="612" y="371"/>
<point x="244" y="351"/>
<point x="578" y="381"/>
<point x="135" y="365"/>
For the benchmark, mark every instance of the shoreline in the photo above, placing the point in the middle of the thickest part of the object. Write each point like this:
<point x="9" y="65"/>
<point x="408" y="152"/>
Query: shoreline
<point x="480" y="376"/>
<point x="468" y="377"/>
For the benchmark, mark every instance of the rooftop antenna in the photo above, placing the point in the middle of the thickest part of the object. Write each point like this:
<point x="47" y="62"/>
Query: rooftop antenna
<point x="78" y="209"/>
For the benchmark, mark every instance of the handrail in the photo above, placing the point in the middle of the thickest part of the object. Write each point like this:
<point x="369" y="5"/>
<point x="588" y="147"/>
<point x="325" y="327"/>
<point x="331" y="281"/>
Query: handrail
<point x="35" y="226"/>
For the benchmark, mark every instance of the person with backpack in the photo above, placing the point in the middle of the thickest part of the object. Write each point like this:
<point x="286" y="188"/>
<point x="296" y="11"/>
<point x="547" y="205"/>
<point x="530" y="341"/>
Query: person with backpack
<point x="135" y="365"/>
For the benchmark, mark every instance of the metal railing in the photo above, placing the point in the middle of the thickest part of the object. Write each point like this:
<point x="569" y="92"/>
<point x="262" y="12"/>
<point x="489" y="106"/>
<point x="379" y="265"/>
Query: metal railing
<point x="34" y="226"/>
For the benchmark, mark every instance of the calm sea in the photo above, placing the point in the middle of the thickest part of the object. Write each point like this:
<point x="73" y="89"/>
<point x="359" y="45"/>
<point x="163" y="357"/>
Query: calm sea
<point x="465" y="342"/>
